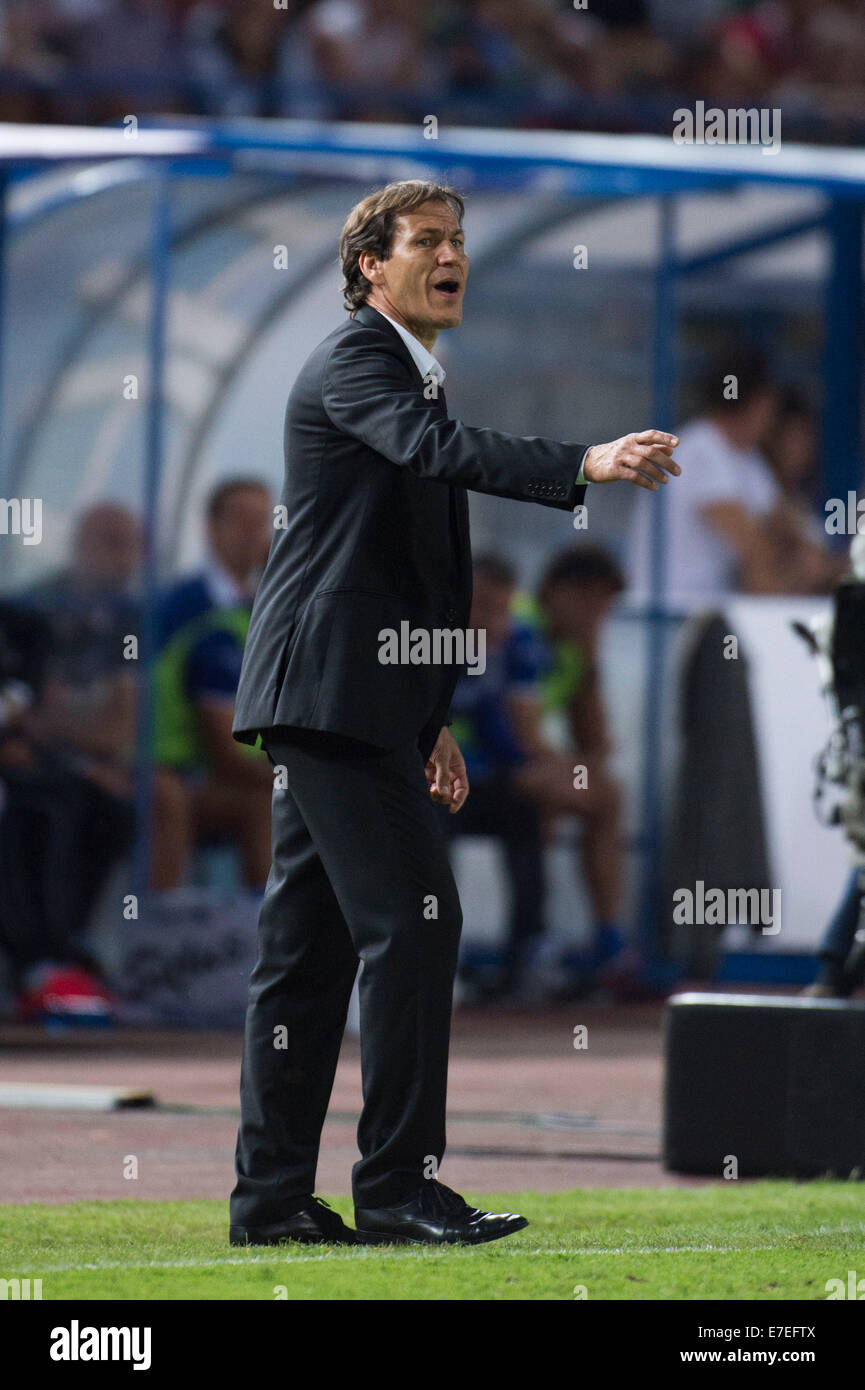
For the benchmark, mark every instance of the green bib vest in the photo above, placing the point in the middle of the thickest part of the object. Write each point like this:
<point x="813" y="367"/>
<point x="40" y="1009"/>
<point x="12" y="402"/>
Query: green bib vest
<point x="176" y="740"/>
<point x="560" y="684"/>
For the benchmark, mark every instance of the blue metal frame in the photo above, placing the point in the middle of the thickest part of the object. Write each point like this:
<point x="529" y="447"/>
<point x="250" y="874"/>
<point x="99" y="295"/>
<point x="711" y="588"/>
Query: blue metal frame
<point x="4" y="194"/>
<point x="664" y="411"/>
<point x="842" y="353"/>
<point x="744" y="246"/>
<point x="155" y="443"/>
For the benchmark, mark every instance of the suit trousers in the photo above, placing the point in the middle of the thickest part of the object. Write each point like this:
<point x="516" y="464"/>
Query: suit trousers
<point x="360" y="873"/>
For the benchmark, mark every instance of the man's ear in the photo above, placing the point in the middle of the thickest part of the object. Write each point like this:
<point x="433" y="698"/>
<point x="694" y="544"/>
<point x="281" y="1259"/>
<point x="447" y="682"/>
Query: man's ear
<point x="369" y="266"/>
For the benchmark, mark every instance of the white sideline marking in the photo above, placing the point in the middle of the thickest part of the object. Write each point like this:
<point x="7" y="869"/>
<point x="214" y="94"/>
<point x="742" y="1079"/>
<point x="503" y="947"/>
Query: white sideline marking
<point x="46" y="1095"/>
<point x="375" y="1252"/>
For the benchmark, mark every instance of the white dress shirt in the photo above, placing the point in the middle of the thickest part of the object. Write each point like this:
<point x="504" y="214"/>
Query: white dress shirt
<point x="426" y="364"/>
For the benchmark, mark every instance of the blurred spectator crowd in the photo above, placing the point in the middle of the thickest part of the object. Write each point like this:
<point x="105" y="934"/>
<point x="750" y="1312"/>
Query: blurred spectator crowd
<point x="616" y="65"/>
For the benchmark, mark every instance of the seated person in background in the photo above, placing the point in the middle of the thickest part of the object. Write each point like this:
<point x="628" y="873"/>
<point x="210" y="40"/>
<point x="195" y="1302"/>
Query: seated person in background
<point x="841" y="965"/>
<point x="574" y="599"/>
<point x="520" y="782"/>
<point x="66" y="766"/>
<point x="88" y="703"/>
<point x="483" y="728"/>
<point x="219" y="788"/>
<point x="720" y="534"/>
<point x="797" y="530"/>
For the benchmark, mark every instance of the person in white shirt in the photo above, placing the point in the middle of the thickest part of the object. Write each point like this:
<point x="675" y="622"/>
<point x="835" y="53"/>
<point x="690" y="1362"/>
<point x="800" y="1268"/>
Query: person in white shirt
<point x="800" y="528"/>
<point x="718" y="526"/>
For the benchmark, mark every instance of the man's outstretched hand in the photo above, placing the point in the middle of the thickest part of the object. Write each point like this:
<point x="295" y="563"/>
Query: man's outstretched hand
<point x="644" y="459"/>
<point x="446" y="772"/>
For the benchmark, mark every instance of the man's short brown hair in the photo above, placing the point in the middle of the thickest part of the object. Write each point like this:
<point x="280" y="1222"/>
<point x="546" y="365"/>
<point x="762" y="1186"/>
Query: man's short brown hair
<point x="370" y="227"/>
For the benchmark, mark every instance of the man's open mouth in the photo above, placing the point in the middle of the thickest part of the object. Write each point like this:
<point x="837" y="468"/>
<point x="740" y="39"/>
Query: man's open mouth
<point x="451" y="288"/>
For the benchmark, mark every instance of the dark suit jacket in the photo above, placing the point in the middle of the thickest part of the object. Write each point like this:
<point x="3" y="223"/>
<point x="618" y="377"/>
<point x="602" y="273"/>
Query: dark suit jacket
<point x="377" y="534"/>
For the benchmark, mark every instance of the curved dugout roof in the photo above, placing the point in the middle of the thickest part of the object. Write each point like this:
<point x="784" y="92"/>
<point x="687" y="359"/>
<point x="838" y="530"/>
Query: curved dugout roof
<point x="79" y="268"/>
<point x="610" y="163"/>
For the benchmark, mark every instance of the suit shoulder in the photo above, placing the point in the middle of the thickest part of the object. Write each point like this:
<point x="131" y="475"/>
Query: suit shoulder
<point x="363" y="344"/>
<point x="352" y="332"/>
<point x="351" y="351"/>
<point x="349" y="336"/>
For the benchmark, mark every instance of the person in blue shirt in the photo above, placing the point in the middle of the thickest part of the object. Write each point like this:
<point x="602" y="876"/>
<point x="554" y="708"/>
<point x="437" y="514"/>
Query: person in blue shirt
<point x="575" y="596"/>
<point x="842" y="965"/>
<point x="534" y="734"/>
<point x="483" y="727"/>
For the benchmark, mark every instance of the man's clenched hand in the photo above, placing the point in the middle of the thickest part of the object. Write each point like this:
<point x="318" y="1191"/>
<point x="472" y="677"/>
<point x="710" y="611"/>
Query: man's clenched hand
<point x="644" y="459"/>
<point x="446" y="772"/>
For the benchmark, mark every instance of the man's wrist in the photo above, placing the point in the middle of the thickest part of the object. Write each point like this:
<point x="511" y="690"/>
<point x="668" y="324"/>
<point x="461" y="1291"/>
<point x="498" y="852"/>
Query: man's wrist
<point x="582" y="480"/>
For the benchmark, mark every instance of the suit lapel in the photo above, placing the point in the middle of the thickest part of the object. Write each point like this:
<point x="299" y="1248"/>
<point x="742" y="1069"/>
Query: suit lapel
<point x="459" y="510"/>
<point x="371" y="318"/>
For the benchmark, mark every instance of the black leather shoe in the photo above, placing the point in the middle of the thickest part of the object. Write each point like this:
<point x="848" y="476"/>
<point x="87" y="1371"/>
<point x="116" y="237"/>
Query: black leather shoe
<point x="315" y="1224"/>
<point x="435" y="1216"/>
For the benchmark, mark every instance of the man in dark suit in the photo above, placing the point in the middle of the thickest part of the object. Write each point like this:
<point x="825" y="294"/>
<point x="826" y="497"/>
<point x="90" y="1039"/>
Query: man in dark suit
<point x="372" y="540"/>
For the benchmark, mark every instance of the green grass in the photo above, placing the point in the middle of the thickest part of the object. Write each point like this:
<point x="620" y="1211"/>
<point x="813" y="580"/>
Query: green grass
<point x="766" y="1240"/>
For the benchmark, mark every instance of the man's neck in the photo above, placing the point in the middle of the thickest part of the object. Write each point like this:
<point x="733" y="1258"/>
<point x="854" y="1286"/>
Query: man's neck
<point x="242" y="579"/>
<point x="424" y="332"/>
